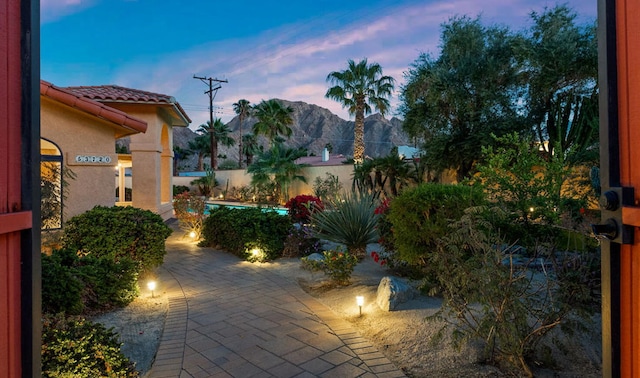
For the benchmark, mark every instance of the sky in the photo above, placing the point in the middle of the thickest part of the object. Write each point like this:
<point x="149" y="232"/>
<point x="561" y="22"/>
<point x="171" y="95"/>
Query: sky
<point x="264" y="49"/>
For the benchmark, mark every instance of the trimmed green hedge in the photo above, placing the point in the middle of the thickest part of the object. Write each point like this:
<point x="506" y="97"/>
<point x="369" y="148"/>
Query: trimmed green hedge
<point x="83" y="285"/>
<point x="117" y="233"/>
<point x="420" y="216"/>
<point x="239" y="230"/>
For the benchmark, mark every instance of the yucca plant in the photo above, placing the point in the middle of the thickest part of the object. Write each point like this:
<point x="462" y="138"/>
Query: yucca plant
<point x="351" y="221"/>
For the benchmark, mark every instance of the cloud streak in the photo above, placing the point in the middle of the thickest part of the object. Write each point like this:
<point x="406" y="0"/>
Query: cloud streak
<point x="292" y="61"/>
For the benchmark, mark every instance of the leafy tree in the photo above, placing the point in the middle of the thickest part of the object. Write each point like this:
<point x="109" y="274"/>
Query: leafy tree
<point x="561" y="72"/>
<point x="243" y="110"/>
<point x="455" y="102"/>
<point x="273" y="120"/>
<point x="278" y="164"/>
<point x="201" y="145"/>
<point x="221" y="135"/>
<point x="360" y="85"/>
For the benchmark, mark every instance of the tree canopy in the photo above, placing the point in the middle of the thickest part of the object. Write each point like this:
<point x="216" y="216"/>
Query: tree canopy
<point x="489" y="81"/>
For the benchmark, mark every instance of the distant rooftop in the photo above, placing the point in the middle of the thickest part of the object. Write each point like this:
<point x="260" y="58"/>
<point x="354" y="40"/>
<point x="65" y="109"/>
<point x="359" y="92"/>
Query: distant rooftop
<point x="317" y="160"/>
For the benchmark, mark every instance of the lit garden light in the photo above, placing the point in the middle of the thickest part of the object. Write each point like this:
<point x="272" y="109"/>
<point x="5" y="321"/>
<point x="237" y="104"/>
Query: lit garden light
<point x="192" y="234"/>
<point x="152" y="286"/>
<point x="360" y="302"/>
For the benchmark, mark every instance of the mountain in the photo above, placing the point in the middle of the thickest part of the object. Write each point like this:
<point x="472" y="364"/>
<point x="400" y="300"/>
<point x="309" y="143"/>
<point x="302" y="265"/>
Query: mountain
<point x="313" y="127"/>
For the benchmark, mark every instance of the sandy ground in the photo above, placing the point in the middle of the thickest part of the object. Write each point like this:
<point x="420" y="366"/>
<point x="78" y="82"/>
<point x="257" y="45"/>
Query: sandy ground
<point x="403" y="335"/>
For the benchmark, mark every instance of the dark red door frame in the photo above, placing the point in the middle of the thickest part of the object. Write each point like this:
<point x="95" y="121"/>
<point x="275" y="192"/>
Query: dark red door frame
<point x="609" y="177"/>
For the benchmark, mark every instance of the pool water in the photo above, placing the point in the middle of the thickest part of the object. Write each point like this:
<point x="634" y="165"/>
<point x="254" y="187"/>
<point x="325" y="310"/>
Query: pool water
<point x="279" y="210"/>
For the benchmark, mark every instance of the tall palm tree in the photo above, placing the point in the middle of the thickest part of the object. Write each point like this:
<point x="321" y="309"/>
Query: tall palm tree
<point x="221" y="136"/>
<point x="243" y="110"/>
<point x="273" y="120"/>
<point x="355" y="88"/>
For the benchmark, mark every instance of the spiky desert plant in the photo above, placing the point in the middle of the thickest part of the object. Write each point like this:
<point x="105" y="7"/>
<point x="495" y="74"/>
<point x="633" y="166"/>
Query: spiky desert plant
<point x="351" y="221"/>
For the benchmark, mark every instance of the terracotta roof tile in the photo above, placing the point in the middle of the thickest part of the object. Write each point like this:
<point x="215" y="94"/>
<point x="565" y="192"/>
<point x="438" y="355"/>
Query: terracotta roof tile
<point x="115" y="93"/>
<point x="125" y="124"/>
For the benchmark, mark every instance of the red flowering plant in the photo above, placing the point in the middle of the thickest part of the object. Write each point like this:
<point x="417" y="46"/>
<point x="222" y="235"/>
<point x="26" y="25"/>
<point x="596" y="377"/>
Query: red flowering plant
<point x="380" y="258"/>
<point x="301" y="206"/>
<point x="385" y="230"/>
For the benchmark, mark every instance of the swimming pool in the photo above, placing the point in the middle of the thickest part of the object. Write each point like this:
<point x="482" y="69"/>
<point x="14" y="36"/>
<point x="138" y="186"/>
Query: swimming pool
<point x="216" y="204"/>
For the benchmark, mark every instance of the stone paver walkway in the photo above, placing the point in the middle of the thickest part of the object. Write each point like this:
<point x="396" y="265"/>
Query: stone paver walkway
<point x="229" y="318"/>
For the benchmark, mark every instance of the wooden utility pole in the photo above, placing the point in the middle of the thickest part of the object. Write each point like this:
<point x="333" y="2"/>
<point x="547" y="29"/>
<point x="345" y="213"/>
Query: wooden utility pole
<point x="213" y="90"/>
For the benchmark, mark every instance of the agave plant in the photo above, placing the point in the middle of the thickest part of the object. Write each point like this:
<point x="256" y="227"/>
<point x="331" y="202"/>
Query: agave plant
<point x="351" y="221"/>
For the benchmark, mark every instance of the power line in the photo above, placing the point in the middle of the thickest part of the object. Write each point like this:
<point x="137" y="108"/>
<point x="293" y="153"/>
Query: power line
<point x="213" y="90"/>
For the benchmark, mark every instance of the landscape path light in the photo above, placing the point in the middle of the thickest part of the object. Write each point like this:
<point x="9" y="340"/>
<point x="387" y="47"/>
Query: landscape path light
<point x="152" y="286"/>
<point x="360" y="302"/>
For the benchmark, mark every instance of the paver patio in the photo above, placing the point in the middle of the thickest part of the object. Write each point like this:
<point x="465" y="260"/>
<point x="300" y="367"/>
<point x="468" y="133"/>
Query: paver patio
<point x="230" y="318"/>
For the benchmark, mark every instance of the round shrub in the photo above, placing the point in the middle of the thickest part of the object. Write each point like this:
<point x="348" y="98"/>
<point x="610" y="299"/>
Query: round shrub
<point x="76" y="347"/>
<point x="118" y="232"/>
<point x="421" y="215"/>
<point x="85" y="285"/>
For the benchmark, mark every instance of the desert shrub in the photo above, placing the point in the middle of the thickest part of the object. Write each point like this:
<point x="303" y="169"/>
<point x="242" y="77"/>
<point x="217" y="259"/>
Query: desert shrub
<point x="76" y="347"/>
<point x="301" y="242"/>
<point x="189" y="210"/>
<point x="351" y="221"/>
<point x="241" y="231"/>
<point x="509" y="304"/>
<point x="119" y="232"/>
<point x="88" y="284"/>
<point x="420" y="216"/>
<point x="300" y="207"/>
<point x="327" y="189"/>
<point x="534" y="189"/>
<point x="337" y="264"/>
<point x="61" y="289"/>
<point x="179" y="189"/>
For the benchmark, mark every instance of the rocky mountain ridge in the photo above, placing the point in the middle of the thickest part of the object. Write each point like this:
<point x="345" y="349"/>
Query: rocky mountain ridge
<point x="313" y="127"/>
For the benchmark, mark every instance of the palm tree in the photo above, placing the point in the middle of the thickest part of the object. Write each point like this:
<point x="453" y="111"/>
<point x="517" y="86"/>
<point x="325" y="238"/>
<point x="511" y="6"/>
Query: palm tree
<point x="201" y="145"/>
<point x="273" y="120"/>
<point x="250" y="147"/>
<point x="220" y="136"/>
<point x="179" y="153"/>
<point x="357" y="87"/>
<point x="278" y="164"/>
<point x="243" y="110"/>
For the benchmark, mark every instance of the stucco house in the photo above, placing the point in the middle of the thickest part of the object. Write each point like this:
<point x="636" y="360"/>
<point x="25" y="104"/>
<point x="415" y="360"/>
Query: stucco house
<point x="79" y="127"/>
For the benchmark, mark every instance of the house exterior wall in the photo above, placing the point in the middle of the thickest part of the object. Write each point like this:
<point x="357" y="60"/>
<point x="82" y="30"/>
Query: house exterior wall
<point x="78" y="134"/>
<point x="152" y="155"/>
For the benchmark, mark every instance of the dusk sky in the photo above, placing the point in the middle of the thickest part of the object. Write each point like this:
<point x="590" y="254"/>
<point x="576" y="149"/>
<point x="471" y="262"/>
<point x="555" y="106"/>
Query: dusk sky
<point x="265" y="49"/>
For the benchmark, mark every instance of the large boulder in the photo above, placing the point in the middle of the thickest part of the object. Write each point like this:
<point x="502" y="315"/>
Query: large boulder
<point x="392" y="291"/>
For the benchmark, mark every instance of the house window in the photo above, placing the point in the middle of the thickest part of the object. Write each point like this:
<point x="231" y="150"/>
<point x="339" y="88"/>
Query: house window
<point x="51" y="185"/>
